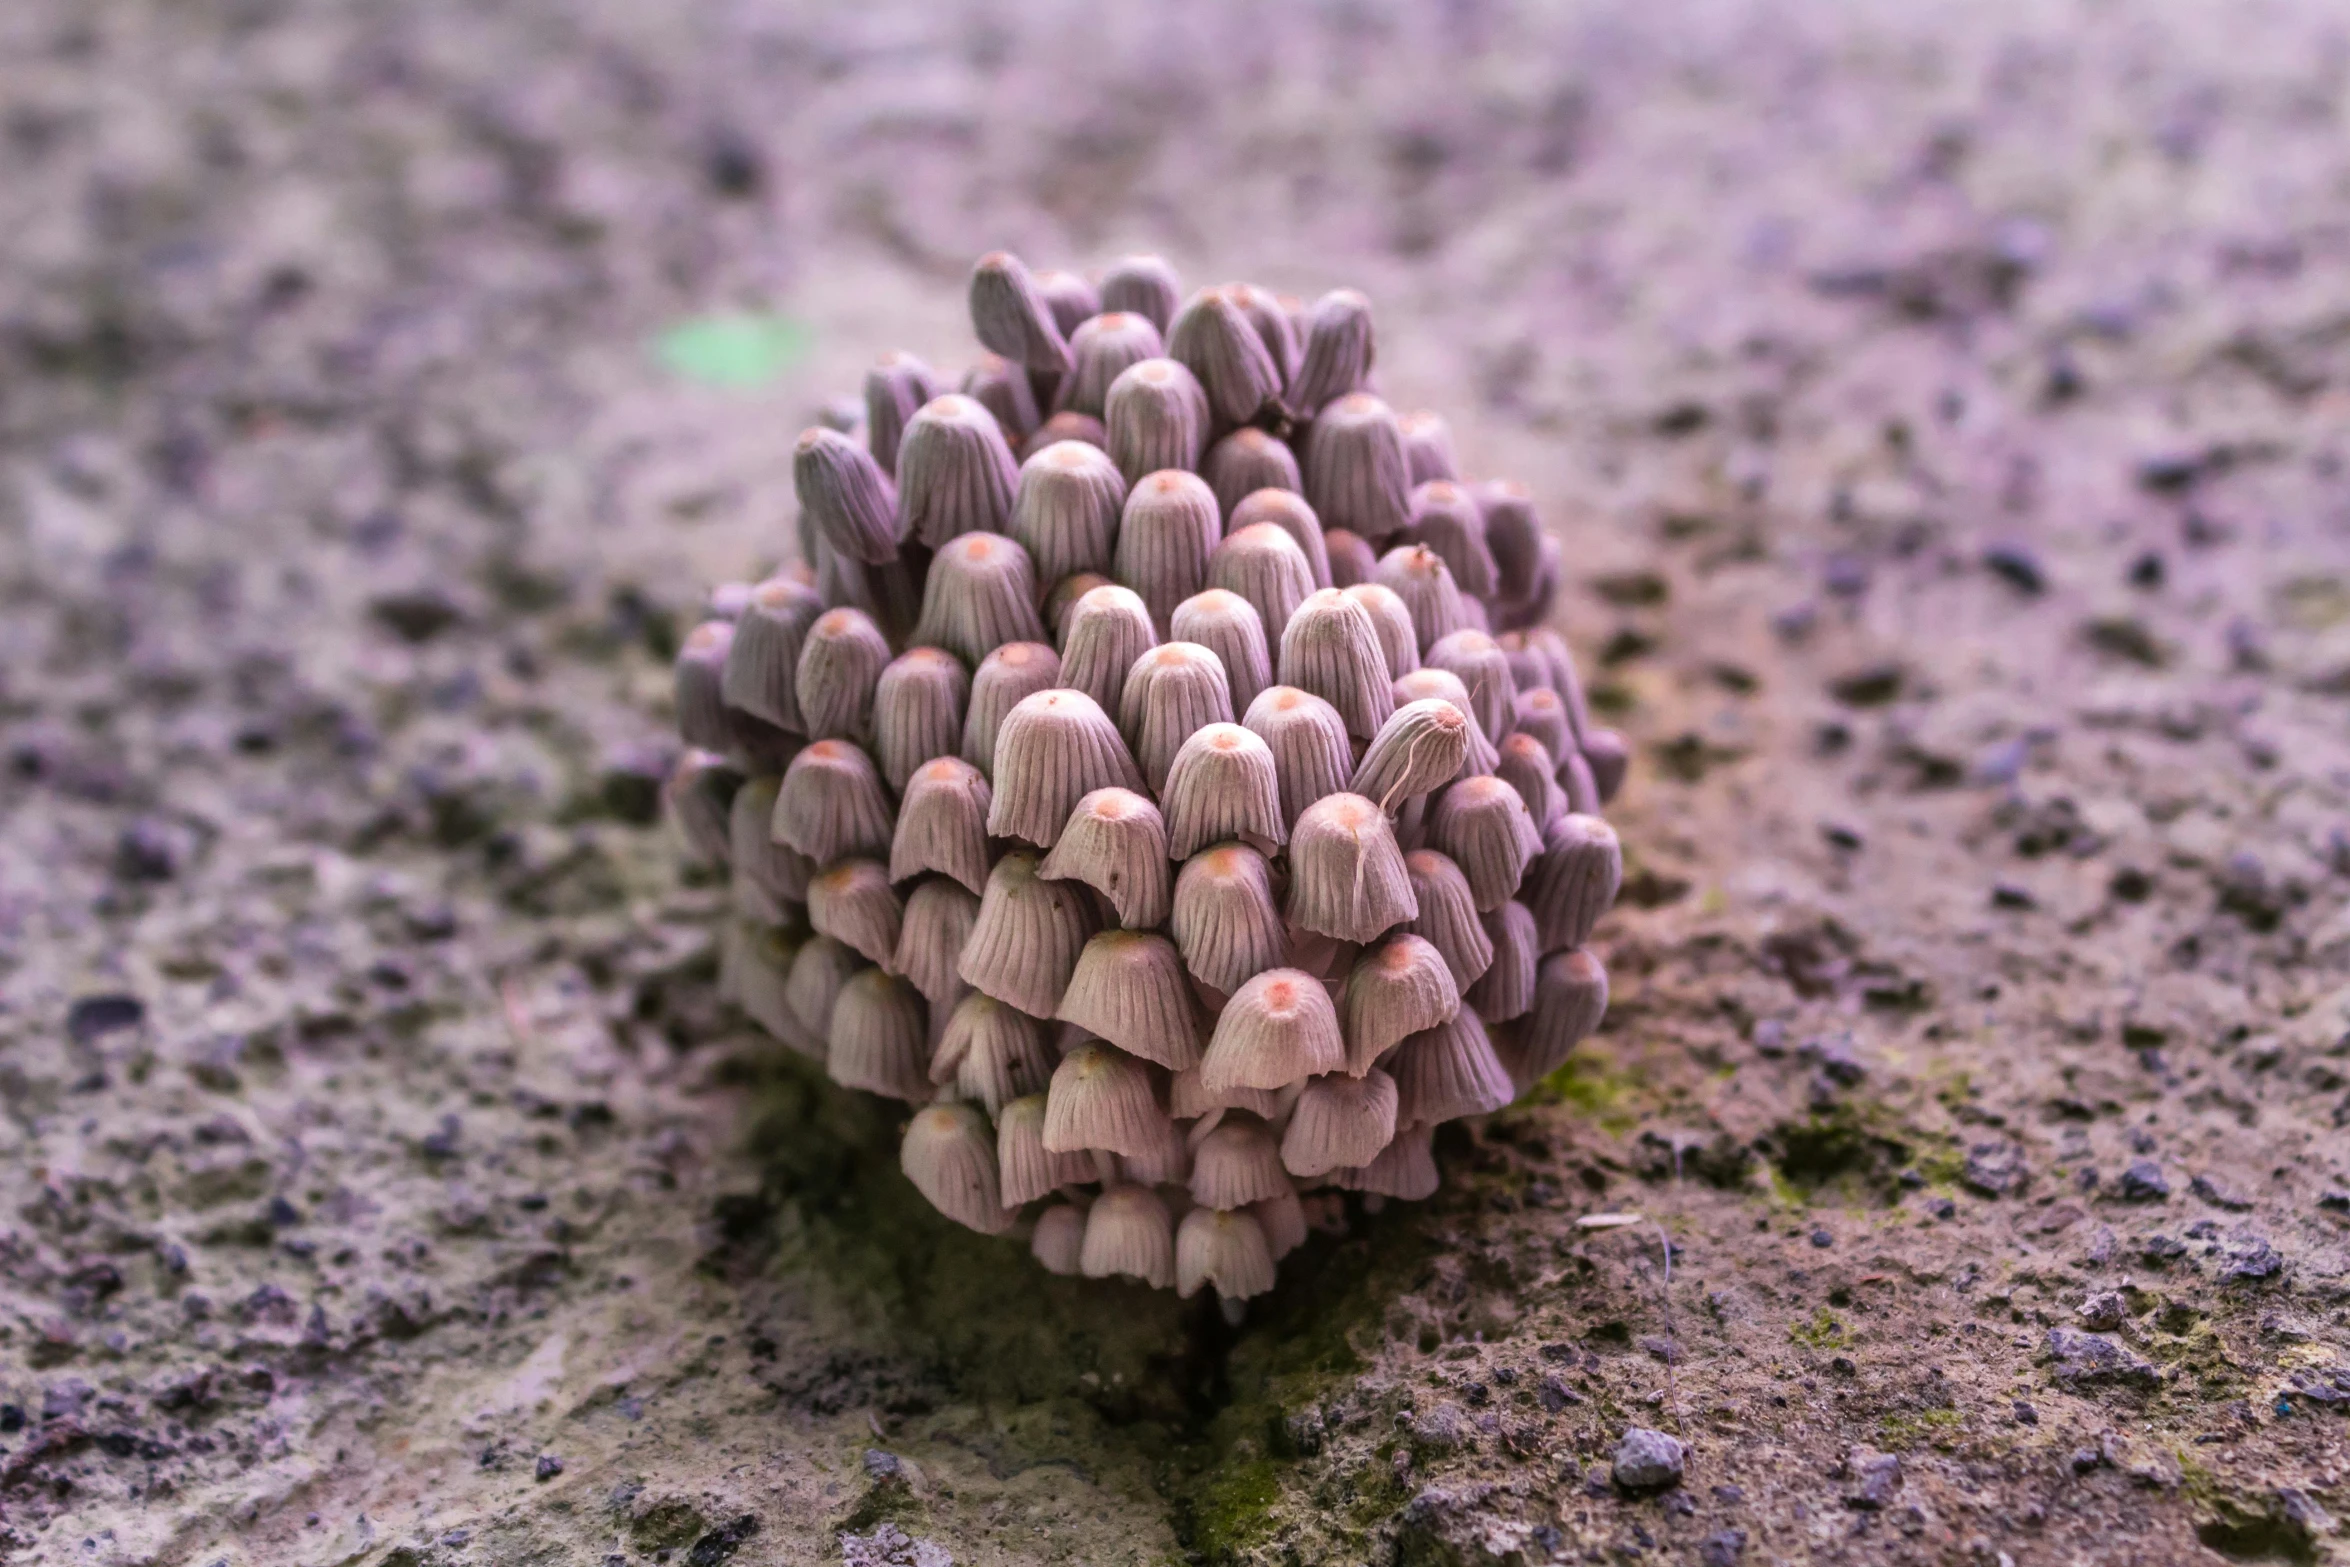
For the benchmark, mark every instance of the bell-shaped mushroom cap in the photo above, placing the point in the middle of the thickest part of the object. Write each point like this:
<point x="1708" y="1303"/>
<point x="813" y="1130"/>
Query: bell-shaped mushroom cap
<point x="1227" y="1252"/>
<point x="1109" y="628"/>
<point x="895" y="389"/>
<point x="1395" y="990"/>
<point x="1116" y="843"/>
<point x="1420" y="748"/>
<point x="1570" y="998"/>
<point x="1005" y="393"/>
<point x="1052" y="750"/>
<point x="1228" y="626"/>
<point x="1577" y="784"/>
<point x="840" y="665"/>
<point x="1283" y="1219"/>
<point x="1484" y="669"/>
<point x="1025" y="944"/>
<point x="762" y="671"/>
<point x="1448" y="1071"/>
<point x="1422" y="684"/>
<point x="981" y="594"/>
<point x="1237" y="1163"/>
<point x="1486" y="828"/>
<point x="1525" y="766"/>
<point x="880" y="1037"/>
<point x="1511" y="529"/>
<point x="1405" y="1168"/>
<point x="1010" y="673"/>
<point x="1060" y="609"/>
<point x="1506" y="990"/>
<point x="1224" y="919"/>
<point x="1026" y="1167"/>
<point x="1246" y="461"/>
<point x="1446" y="520"/>
<point x="1427" y="444"/>
<point x="1169" y="528"/>
<point x="1145" y="285"/>
<point x="1542" y="713"/>
<point x="1262" y="563"/>
<point x="1558" y="662"/>
<point x="1066" y="511"/>
<point x="1058" y="1243"/>
<point x="938" y="921"/>
<point x="1188" y="1099"/>
<point x="700" y="795"/>
<point x="819" y="971"/>
<point x="1398" y="640"/>
<point x="1357" y="475"/>
<point x="992" y="1053"/>
<point x="1213" y="340"/>
<point x="773" y="870"/>
<point x="1339" y="1121"/>
<point x="1073" y="300"/>
<point x="1352" y="560"/>
<point x="1608" y="756"/>
<point x="1331" y="649"/>
<point x="1168" y="1164"/>
<point x="1575" y="880"/>
<point x="1278" y="1027"/>
<point x="1346" y="873"/>
<point x="754" y="966"/>
<point x="1288" y="511"/>
<point x="1129" y="989"/>
<point x="700" y="686"/>
<point x="845" y="496"/>
<point x="1103" y="1098"/>
<point x="918" y="711"/>
<point x="1337" y="355"/>
<point x="1104" y="349"/>
<point x="1448" y="915"/>
<point x="1172" y="692"/>
<point x="1419" y="576"/>
<point x="852" y="902"/>
<point x="955" y="471"/>
<point x="942" y="823"/>
<point x="1128" y="1233"/>
<point x="830" y="805"/>
<point x="1009" y="314"/>
<point x="1311" y="756"/>
<point x="1067" y="425"/>
<point x="1157" y="419"/>
<point x="949" y="1155"/>
<point x="1222" y="785"/>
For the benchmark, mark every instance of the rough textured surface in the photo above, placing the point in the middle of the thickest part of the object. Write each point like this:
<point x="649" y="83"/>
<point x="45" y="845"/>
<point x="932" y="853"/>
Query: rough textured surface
<point x="1948" y="413"/>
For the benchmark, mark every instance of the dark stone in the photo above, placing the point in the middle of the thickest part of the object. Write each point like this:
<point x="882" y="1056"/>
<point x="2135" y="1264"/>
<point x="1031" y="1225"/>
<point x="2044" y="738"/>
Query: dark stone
<point x="2250" y="1260"/>
<point x="92" y="1018"/>
<point x="2025" y="1414"/>
<point x="1555" y="1394"/>
<point x="2091" y="1359"/>
<point x="1648" y="1460"/>
<point x="1878" y="1476"/>
<point x="2144" y="1181"/>
<point x="1994" y="1168"/>
<point x="1822" y="1239"/>
<point x="722" y="1542"/>
<point x="549" y="1466"/>
<point x="2219" y="1192"/>
<point x="1722" y="1548"/>
<point x="146" y="851"/>
<point x="415" y="615"/>
<point x="2016" y="565"/>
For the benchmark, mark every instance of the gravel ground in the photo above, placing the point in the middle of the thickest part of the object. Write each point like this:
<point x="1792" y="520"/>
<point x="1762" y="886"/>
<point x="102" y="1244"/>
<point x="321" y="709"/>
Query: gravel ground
<point x="1945" y="408"/>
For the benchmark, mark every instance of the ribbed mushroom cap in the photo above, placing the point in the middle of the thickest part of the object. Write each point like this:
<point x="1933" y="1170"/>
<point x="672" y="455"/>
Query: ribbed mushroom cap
<point x="1608" y="756"/>
<point x="1065" y="513"/>
<point x="1009" y="314"/>
<point x="1128" y="1233"/>
<point x="1246" y="461"/>
<point x="1352" y="560"/>
<point x="1073" y="300"/>
<point x="1172" y="692"/>
<point x="762" y="670"/>
<point x="1485" y="670"/>
<point x="1338" y="352"/>
<point x="1103" y="1098"/>
<point x="1051" y="751"/>
<point x="895" y="389"/>
<point x="1222" y="785"/>
<point x="1025" y="944"/>
<point x="1486" y="828"/>
<point x="1421" y="684"/>
<point x="918" y="711"/>
<point x="938" y="921"/>
<point x="1129" y="989"/>
<point x="1216" y="342"/>
<point x="1524" y="764"/>
<point x="1394" y="990"/>
<point x="1228" y="626"/>
<point x="1067" y="425"/>
<point x="992" y="1053"/>
<point x="1145" y="285"/>
<point x="1311" y="756"/>
<point x="890" y="594"/>
<point x="1331" y="648"/>
<point x="755" y="972"/>
<point x="1542" y="713"/>
<point x="949" y="1155"/>
<point x="1237" y="1163"/>
<point x="1262" y="563"/>
<point x="1339" y="1121"/>
<point x="1405" y="1168"/>
<point x="1576" y="782"/>
<point x="1010" y="673"/>
<point x="1027" y="1169"/>
<point x="845" y="495"/>
<point x="1570" y="999"/>
<point x="1287" y="510"/>
<point x="981" y="594"/>
<point x="1283" y="1219"/>
<point x="1224" y="919"/>
<point x="830" y="805"/>
<point x="1575" y="880"/>
<point x="853" y="903"/>
<point x="1102" y="350"/>
<point x="1346" y="872"/>
<point x="1506" y="989"/>
<point x="1170" y="527"/>
<point x="1116" y="843"/>
<point x="1278" y="1027"/>
<point x="1357" y="475"/>
<point x="1427" y="445"/>
<point x="1448" y="1071"/>
<point x="1269" y="314"/>
<point x="1558" y="662"/>
<point x="840" y="666"/>
<point x="1058" y="1243"/>
<point x="1420" y="748"/>
<point x="819" y="970"/>
<point x="1109" y="628"/>
<point x="1005" y="392"/>
<point x="1444" y="518"/>
<point x="880" y="1036"/>
<point x="728" y="600"/>
<point x="1157" y="418"/>
<point x="775" y="870"/>
<point x="699" y="685"/>
<point x="1398" y="639"/>
<point x="1448" y="918"/>
<point x="1512" y="530"/>
<point x="942" y="824"/>
<point x="1189" y="1099"/>
<point x="955" y="471"/>
<point x="1419" y="576"/>
<point x="1227" y="1252"/>
<point x="700" y="795"/>
<point x="1168" y="1164"/>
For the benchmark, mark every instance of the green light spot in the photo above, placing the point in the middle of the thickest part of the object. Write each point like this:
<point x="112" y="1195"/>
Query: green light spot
<point x="734" y="349"/>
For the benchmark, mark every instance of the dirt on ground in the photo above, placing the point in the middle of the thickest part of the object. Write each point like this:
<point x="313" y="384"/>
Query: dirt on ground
<point x="1944" y="408"/>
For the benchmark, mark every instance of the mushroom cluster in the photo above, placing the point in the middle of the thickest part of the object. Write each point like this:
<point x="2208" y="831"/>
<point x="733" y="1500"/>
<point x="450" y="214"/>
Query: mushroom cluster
<point x="1157" y="770"/>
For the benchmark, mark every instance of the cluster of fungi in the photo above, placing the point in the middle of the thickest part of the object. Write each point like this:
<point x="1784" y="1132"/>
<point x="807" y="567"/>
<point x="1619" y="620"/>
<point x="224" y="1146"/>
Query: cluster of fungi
<point x="1157" y="770"/>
